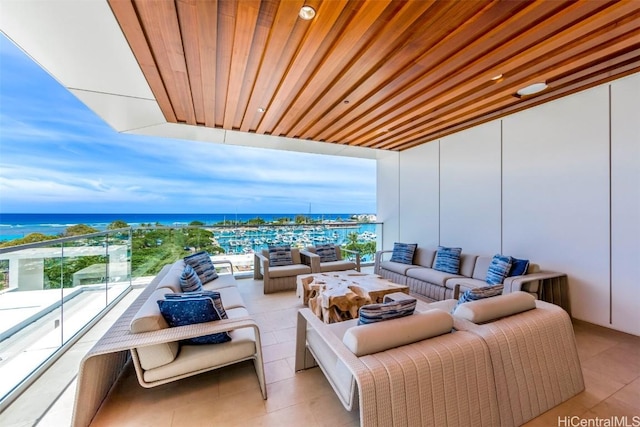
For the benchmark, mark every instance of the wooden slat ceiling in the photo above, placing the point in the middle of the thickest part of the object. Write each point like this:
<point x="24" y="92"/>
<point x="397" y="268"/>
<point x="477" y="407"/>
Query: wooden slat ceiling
<point x="382" y="74"/>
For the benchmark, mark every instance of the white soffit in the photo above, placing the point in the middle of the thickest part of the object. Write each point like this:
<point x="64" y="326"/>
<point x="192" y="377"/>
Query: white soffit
<point x="78" y="42"/>
<point x="82" y="46"/>
<point x="122" y="113"/>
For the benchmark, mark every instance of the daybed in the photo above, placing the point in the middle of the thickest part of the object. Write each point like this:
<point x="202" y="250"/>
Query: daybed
<point x="417" y="370"/>
<point x="426" y="281"/>
<point x="103" y="364"/>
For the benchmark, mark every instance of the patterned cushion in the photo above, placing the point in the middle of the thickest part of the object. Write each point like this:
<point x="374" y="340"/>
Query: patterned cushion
<point x="189" y="280"/>
<point x="280" y="255"/>
<point x="403" y="252"/>
<point x="498" y="269"/>
<point x="215" y="296"/>
<point x="327" y="253"/>
<point x="188" y="311"/>
<point x="518" y="267"/>
<point x="201" y="263"/>
<point x="479" y="293"/>
<point x="372" y="313"/>
<point x="448" y="259"/>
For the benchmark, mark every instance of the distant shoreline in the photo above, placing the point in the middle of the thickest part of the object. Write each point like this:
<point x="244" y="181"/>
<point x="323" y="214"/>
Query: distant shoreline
<point x="16" y="225"/>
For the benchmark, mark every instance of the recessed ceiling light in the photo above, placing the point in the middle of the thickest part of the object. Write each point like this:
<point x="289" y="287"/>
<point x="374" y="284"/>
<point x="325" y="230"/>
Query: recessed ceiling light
<point x="532" y="89"/>
<point x="261" y="110"/>
<point x="498" y="77"/>
<point x="307" y="13"/>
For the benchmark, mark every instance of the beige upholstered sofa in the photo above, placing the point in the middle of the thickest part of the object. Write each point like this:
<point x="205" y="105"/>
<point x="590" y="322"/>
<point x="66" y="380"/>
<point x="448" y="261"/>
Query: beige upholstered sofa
<point x="169" y="360"/>
<point x="436" y="285"/>
<point x="312" y="259"/>
<point x="279" y="278"/>
<point x="432" y="368"/>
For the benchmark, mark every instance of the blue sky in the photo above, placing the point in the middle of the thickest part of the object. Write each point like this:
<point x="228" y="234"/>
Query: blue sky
<point x="57" y="156"/>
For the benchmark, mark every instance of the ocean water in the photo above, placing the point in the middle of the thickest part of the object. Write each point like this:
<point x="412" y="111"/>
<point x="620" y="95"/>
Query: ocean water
<point x="17" y="225"/>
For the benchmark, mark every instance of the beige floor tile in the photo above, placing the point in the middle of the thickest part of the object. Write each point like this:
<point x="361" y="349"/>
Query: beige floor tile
<point x="598" y="387"/>
<point x="616" y="363"/>
<point x="295" y="415"/>
<point x="279" y="351"/>
<point x="278" y="370"/>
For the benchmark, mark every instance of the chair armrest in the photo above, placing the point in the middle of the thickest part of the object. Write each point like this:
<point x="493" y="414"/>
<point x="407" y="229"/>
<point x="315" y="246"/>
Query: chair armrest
<point x="310" y="259"/>
<point x="260" y="264"/>
<point x="178" y="333"/>
<point x="515" y="283"/>
<point x="356" y="254"/>
<point x="378" y="260"/>
<point x="222" y="262"/>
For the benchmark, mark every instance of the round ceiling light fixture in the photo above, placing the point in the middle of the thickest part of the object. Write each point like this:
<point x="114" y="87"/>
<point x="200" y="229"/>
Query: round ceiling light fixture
<point x="307" y="13"/>
<point x="532" y="89"/>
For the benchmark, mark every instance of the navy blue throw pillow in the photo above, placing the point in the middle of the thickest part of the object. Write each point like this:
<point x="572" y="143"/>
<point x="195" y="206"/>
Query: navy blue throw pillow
<point x="518" y="267"/>
<point x="189" y="311"/>
<point x="215" y="296"/>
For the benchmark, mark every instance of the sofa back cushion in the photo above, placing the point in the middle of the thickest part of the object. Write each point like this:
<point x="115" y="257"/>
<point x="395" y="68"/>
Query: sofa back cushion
<point x="424" y="257"/>
<point x="381" y="336"/>
<point x="489" y="309"/>
<point x="481" y="267"/>
<point x="148" y="319"/>
<point x="171" y="280"/>
<point x="467" y="263"/>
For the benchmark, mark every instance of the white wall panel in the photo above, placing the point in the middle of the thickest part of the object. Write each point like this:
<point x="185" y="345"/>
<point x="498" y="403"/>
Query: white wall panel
<point x="470" y="205"/>
<point x="625" y="203"/>
<point x="419" y="195"/>
<point x="556" y="194"/>
<point x="388" y="201"/>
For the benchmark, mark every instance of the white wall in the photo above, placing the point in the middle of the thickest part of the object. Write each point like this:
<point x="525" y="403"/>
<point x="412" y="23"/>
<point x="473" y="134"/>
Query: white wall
<point x="558" y="184"/>
<point x="625" y="203"/>
<point x="388" y="197"/>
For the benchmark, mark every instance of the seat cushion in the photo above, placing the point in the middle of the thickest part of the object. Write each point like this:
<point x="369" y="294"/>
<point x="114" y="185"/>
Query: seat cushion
<point x="430" y="275"/>
<point x="341" y="265"/>
<point x="289" y="270"/>
<point x="396" y="267"/>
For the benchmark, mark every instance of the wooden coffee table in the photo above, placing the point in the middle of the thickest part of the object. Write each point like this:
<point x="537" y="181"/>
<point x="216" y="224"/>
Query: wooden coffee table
<point x="337" y="296"/>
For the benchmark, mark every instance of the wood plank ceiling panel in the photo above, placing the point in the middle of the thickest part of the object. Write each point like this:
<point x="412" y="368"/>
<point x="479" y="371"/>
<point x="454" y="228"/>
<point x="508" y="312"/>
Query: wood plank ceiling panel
<point x="387" y="74"/>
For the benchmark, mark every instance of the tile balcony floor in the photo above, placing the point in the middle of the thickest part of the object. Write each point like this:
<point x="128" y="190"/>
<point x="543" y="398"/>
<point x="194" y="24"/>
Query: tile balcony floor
<point x="231" y="396"/>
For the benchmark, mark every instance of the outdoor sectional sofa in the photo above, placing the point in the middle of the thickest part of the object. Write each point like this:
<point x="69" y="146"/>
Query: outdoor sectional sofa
<point x="424" y="280"/>
<point x="499" y="361"/>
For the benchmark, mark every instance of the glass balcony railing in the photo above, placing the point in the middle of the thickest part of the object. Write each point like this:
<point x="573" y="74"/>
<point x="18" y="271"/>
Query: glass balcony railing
<point x="52" y="291"/>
